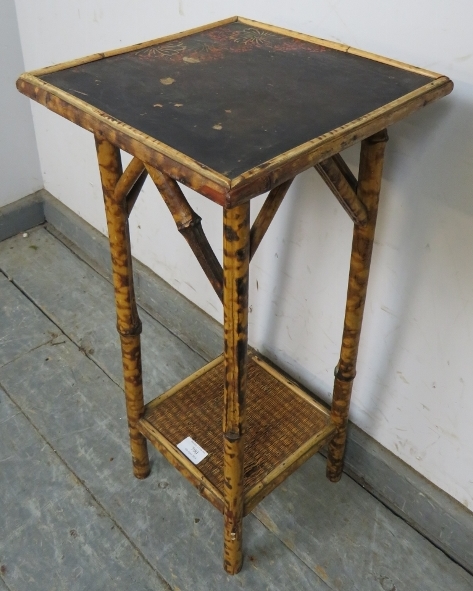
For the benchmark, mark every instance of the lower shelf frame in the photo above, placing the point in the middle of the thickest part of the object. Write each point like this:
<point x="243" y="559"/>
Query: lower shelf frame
<point x="204" y="388"/>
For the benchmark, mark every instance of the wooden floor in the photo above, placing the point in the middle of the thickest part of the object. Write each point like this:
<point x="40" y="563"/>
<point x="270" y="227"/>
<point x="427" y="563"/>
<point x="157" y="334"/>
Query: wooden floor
<point x="73" y="517"/>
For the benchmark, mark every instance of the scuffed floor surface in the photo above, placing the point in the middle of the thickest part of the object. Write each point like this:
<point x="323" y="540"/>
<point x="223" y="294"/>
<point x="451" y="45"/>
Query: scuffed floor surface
<point x="74" y="518"/>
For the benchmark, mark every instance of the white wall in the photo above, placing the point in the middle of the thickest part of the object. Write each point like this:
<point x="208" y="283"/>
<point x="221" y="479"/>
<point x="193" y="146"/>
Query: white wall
<point x="414" y="389"/>
<point x="19" y="163"/>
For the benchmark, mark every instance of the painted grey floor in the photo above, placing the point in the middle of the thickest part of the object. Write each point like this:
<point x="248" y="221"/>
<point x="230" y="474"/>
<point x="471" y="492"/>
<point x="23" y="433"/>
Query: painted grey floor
<point x="74" y="518"/>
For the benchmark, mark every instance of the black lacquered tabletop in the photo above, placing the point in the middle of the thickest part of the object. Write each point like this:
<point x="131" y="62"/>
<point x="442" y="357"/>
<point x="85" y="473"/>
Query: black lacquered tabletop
<point x="235" y="96"/>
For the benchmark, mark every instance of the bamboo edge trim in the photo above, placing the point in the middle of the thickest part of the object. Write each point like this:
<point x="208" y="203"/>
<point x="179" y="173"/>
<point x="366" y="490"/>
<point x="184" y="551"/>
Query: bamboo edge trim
<point x="318" y="438"/>
<point x="291" y="385"/>
<point x="120" y="126"/>
<point x="313" y="145"/>
<point x="281" y="30"/>
<point x="126" y="142"/>
<point x="339" y="47"/>
<point x="203" y="370"/>
<point x="191" y="472"/>
<point x="197" y="374"/>
<point x="262" y="169"/>
<point x="94" y="57"/>
<point x="286" y="468"/>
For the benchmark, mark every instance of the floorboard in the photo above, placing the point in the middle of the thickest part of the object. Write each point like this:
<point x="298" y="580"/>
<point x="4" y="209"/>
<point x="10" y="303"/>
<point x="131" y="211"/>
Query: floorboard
<point x="54" y="535"/>
<point x="80" y="412"/>
<point x="23" y="325"/>
<point x="81" y="302"/>
<point x="351" y="540"/>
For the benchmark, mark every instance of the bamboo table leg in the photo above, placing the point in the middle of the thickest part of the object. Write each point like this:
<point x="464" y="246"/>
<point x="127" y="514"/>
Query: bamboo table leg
<point x="128" y="321"/>
<point x="236" y="241"/>
<point x="369" y="184"/>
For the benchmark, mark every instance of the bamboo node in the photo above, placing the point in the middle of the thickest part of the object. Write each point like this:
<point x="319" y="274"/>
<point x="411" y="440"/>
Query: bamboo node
<point x="379" y="137"/>
<point x="339" y="376"/>
<point x="232" y="436"/>
<point x="134" y="330"/>
<point x="190" y="222"/>
<point x="344" y="374"/>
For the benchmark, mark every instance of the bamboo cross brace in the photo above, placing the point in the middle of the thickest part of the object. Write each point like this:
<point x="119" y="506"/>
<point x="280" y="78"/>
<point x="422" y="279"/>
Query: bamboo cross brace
<point x="128" y="181"/>
<point x="266" y="215"/>
<point x="341" y="181"/>
<point x="189" y="225"/>
<point x="134" y="192"/>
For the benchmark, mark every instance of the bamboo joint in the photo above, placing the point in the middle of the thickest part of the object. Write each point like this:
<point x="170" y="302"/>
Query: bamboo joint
<point x="189" y="225"/>
<point x="134" y="330"/>
<point x="343" y="184"/>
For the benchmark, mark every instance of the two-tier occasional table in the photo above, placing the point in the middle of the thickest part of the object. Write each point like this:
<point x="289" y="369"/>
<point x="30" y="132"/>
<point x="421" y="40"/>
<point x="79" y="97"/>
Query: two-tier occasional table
<point x="233" y="110"/>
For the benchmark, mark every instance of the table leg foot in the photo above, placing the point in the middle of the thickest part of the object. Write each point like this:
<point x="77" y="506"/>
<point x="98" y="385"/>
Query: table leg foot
<point x="336" y="449"/>
<point x="233" y="514"/>
<point x="131" y="355"/>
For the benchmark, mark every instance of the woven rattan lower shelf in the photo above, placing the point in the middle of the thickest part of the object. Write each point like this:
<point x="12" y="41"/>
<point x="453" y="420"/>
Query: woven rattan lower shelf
<point x="285" y="426"/>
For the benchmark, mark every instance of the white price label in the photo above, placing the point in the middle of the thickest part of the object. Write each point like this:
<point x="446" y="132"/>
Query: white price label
<point x="192" y="450"/>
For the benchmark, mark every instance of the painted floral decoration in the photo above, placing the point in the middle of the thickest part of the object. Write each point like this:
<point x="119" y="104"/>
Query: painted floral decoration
<point x="214" y="43"/>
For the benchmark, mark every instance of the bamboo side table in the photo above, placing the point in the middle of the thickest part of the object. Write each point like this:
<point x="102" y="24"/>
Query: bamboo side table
<point x="233" y="110"/>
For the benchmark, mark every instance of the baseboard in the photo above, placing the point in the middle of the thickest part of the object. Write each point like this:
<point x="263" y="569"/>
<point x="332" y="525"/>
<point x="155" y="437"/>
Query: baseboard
<point x="21" y="215"/>
<point x="432" y="512"/>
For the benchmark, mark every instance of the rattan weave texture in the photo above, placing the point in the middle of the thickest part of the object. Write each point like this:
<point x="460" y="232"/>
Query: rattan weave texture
<point x="279" y="421"/>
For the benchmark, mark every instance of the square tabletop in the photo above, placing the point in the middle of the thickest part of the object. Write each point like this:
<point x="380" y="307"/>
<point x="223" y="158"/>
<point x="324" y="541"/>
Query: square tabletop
<point x="234" y="108"/>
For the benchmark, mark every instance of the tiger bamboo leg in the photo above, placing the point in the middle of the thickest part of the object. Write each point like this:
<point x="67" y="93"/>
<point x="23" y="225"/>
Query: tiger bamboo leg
<point x="369" y="184"/>
<point x="236" y="248"/>
<point x="128" y="321"/>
